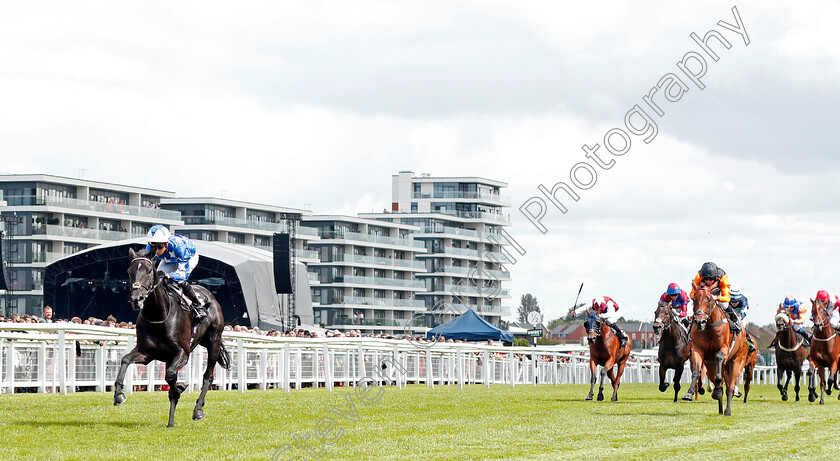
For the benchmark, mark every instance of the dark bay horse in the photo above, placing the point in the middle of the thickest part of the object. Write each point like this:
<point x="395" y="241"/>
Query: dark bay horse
<point x="713" y="344"/>
<point x="790" y="353"/>
<point x="605" y="350"/>
<point x="674" y="346"/>
<point x="749" y="367"/>
<point x="164" y="331"/>
<point x="825" y="353"/>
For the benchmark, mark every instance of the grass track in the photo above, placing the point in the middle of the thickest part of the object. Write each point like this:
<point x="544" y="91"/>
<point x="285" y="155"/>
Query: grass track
<point x="543" y="422"/>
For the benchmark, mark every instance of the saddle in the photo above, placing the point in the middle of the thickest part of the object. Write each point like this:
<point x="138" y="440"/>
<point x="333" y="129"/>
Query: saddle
<point x="184" y="301"/>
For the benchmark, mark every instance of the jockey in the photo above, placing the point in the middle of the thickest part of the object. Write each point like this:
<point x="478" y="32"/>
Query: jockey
<point x="678" y="299"/>
<point x="797" y="313"/>
<point x="739" y="304"/>
<point x="607" y="310"/>
<point x="178" y="258"/>
<point x="715" y="278"/>
<point x="831" y="303"/>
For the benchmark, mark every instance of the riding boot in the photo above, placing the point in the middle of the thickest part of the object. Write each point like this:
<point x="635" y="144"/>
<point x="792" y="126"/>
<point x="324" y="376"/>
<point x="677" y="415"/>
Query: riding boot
<point x="197" y="308"/>
<point x="806" y="341"/>
<point x="622" y="336"/>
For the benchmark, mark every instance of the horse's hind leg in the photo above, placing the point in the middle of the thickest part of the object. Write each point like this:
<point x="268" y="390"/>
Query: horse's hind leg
<point x="616" y="379"/>
<point x="134" y="356"/>
<point x="212" y="358"/>
<point x="172" y="369"/>
<point x="797" y="376"/>
<point x="695" y="376"/>
<point x="748" y="372"/>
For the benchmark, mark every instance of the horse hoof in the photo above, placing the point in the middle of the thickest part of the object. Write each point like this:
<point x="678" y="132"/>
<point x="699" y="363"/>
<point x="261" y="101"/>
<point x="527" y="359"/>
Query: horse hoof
<point x="785" y="397"/>
<point x="688" y="397"/>
<point x="701" y="391"/>
<point x="811" y="398"/>
<point x="198" y="414"/>
<point x="797" y="397"/>
<point x="718" y="393"/>
<point x="119" y="398"/>
<point x="614" y="398"/>
<point x="663" y="387"/>
<point x="589" y="397"/>
<point x="600" y="397"/>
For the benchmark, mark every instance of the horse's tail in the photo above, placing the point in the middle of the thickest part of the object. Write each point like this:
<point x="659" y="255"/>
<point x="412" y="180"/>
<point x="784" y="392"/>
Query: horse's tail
<point x="224" y="357"/>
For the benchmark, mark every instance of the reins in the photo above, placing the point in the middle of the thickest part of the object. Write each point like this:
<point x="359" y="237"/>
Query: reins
<point x="151" y="291"/>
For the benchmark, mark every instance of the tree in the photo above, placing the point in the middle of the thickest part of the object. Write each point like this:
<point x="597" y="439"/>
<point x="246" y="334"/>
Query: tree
<point x="527" y="303"/>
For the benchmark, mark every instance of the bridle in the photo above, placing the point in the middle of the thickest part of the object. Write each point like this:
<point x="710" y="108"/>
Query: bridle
<point x="672" y="318"/>
<point x="144" y="290"/>
<point x="710" y="304"/>
<point x="818" y="317"/>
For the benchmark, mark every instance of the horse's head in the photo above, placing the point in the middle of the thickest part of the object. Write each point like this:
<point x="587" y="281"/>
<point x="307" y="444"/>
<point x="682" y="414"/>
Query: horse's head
<point x="783" y="321"/>
<point x="142" y="277"/>
<point x="661" y="318"/>
<point x="818" y="315"/>
<point x="703" y="304"/>
<point x="593" y="327"/>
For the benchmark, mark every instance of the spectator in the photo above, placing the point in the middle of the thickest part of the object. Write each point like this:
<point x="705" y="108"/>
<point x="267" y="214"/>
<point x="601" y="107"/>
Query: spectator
<point x="48" y="315"/>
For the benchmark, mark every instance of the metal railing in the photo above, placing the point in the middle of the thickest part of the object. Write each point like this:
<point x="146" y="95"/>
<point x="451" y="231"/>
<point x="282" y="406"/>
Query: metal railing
<point x="45" y="357"/>
<point x="87" y="205"/>
<point x="393" y="262"/>
<point x="86" y="233"/>
<point x="374" y="238"/>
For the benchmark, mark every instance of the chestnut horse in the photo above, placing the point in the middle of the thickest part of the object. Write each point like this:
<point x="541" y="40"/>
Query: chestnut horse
<point x="164" y="333"/>
<point x="825" y="352"/>
<point x="605" y="350"/>
<point x="674" y="346"/>
<point x="790" y="353"/>
<point x="713" y="344"/>
<point x="749" y="367"/>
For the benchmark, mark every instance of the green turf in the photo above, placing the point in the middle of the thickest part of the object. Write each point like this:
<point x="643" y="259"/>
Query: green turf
<point x="544" y="422"/>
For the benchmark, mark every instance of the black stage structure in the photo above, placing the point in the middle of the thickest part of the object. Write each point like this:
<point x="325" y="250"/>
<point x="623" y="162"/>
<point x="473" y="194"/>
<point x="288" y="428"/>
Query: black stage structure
<point x="94" y="283"/>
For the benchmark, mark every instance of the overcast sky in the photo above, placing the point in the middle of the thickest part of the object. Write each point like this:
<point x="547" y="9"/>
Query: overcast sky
<point x="318" y="103"/>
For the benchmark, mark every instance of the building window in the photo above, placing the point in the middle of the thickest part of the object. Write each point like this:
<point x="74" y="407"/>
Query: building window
<point x="414" y="207"/>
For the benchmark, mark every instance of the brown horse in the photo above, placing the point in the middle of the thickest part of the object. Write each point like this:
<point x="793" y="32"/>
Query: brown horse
<point x="164" y="333"/>
<point x="790" y="353"/>
<point x="674" y="346"/>
<point x="825" y="353"/>
<point x="605" y="350"/>
<point x="713" y="344"/>
<point x="749" y="367"/>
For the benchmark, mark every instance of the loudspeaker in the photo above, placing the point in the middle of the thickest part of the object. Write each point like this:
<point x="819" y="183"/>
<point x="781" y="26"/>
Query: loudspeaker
<point x="282" y="264"/>
<point x="2" y="266"/>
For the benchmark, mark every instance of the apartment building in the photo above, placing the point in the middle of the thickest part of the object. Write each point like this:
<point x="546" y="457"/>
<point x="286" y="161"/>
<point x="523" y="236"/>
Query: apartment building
<point x="50" y="217"/>
<point x="459" y="220"/>
<point x="368" y="275"/>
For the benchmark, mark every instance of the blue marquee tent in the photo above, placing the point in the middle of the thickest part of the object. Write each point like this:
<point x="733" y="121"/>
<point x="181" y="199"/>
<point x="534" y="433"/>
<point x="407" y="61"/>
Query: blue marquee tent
<point x="471" y="327"/>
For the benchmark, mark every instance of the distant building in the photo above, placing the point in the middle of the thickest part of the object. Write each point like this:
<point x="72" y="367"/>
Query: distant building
<point x="460" y="221"/>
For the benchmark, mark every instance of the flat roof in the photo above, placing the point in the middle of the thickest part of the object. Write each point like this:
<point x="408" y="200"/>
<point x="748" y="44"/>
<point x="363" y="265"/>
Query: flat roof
<point x="359" y="220"/>
<point x="81" y="182"/>
<point x="475" y="179"/>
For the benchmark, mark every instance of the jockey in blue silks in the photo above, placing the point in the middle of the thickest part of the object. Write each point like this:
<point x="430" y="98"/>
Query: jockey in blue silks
<point x="178" y="257"/>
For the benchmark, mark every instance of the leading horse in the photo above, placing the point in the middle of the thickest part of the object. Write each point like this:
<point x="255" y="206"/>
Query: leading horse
<point x="674" y="346"/>
<point x="825" y="353"/>
<point x="714" y="344"/>
<point x="605" y="350"/>
<point x="164" y="332"/>
<point x="790" y="353"/>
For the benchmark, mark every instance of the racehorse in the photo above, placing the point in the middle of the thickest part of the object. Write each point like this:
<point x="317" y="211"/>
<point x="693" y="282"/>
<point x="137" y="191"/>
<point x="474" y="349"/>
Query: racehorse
<point x="163" y="332"/>
<point x="605" y="350"/>
<point x="790" y="353"/>
<point x="825" y="352"/>
<point x="674" y="346"/>
<point x="749" y="367"/>
<point x="713" y="344"/>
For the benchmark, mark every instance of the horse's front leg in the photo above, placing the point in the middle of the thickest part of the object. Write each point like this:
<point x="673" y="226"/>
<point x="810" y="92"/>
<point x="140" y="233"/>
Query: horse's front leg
<point x="797" y="373"/>
<point x="783" y="376"/>
<point x="832" y="377"/>
<point x="678" y="372"/>
<point x="695" y="375"/>
<point x="134" y="356"/>
<point x="601" y="384"/>
<point x="593" y="367"/>
<point x="717" y="394"/>
<point x="812" y="383"/>
<point x="172" y="369"/>
<point x="821" y="371"/>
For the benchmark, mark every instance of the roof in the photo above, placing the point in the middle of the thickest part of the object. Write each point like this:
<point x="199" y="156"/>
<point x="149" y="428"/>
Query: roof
<point x="471" y="327"/>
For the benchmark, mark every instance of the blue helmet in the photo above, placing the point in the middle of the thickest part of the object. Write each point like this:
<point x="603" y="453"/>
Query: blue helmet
<point x="790" y="302"/>
<point x="735" y="294"/>
<point x="673" y="289"/>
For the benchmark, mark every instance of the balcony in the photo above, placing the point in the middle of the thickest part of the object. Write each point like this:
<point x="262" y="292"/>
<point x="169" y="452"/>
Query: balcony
<point x="500" y="310"/>
<point x="467" y="270"/>
<point x="401" y="283"/>
<point x="498" y="198"/>
<point x="87" y="205"/>
<point x="470" y="290"/>
<point x="80" y="232"/>
<point x="382" y="302"/>
<point x="392" y="262"/>
<point x="416" y="322"/>
<point x="372" y="238"/>
<point x="246" y="224"/>
<point x="47" y="257"/>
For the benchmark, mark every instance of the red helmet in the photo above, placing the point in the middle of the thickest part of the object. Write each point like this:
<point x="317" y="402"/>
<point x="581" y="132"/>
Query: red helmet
<point x="599" y="304"/>
<point x="823" y="296"/>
